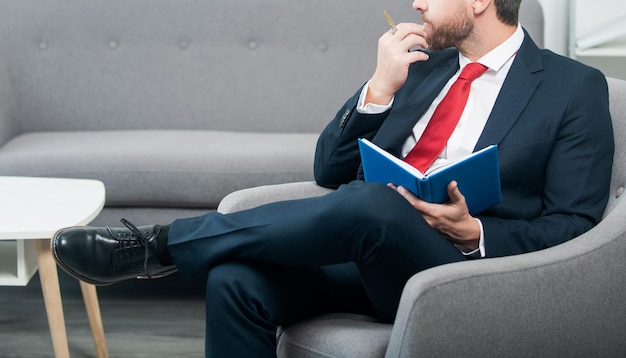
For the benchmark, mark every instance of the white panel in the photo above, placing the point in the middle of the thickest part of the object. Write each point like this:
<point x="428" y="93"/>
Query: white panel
<point x="593" y="16"/>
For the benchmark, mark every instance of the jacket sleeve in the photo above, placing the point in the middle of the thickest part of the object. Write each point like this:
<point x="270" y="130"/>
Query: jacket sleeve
<point x="337" y="158"/>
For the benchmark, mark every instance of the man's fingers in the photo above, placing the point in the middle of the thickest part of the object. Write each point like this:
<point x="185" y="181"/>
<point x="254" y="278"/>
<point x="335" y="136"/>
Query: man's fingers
<point x="454" y="193"/>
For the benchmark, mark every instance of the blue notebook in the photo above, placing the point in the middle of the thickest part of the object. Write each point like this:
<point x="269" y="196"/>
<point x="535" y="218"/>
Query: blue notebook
<point x="478" y="176"/>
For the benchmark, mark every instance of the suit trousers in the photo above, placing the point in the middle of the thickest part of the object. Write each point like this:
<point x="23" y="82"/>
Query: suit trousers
<point x="351" y="250"/>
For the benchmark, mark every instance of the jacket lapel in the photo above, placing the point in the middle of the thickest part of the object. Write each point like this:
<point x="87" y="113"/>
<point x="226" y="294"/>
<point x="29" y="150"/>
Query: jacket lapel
<point x="518" y="88"/>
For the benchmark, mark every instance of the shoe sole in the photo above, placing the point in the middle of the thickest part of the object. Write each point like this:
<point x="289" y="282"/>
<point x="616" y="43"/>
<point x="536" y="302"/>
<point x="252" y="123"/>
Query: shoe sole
<point x="80" y="277"/>
<point x="158" y="275"/>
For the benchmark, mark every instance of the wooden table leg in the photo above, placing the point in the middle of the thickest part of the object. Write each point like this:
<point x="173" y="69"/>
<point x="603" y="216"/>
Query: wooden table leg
<point x="90" y="297"/>
<point x="52" y="298"/>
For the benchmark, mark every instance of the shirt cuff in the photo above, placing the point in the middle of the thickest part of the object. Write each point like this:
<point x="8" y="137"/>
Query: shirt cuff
<point x="370" y="108"/>
<point x="479" y="253"/>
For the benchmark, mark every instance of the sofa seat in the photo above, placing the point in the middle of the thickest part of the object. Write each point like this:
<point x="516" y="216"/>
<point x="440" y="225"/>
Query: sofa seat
<point x="163" y="168"/>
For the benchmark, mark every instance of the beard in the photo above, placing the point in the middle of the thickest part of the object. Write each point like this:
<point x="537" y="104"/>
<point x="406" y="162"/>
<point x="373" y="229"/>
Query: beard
<point x="451" y="33"/>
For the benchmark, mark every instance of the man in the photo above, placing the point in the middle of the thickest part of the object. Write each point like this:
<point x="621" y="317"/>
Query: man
<point x="355" y="248"/>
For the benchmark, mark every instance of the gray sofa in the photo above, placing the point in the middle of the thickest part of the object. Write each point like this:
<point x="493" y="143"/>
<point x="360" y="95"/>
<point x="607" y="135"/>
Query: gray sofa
<point x="174" y="104"/>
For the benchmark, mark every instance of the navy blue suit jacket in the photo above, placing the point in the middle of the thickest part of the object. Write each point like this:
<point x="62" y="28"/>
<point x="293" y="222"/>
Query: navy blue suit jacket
<point x="551" y="123"/>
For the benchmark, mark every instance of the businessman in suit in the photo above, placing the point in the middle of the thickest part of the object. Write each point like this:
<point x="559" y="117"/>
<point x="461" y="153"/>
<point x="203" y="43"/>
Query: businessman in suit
<point x="355" y="248"/>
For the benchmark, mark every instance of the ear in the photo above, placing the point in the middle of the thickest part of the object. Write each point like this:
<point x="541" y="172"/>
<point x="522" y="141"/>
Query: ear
<point x="480" y="6"/>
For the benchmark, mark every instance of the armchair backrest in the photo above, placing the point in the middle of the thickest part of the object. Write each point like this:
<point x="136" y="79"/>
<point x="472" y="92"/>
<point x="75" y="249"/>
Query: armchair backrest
<point x="617" y="100"/>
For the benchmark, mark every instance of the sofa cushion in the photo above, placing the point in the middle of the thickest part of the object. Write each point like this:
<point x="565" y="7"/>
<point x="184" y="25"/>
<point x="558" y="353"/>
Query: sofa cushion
<point x="335" y="335"/>
<point x="169" y="168"/>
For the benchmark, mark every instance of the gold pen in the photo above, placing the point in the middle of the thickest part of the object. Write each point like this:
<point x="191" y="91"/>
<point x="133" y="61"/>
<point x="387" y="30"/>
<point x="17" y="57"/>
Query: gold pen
<point x="390" y="22"/>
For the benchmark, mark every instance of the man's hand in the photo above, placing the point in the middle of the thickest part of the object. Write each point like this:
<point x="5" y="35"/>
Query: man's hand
<point x="452" y="219"/>
<point x="394" y="59"/>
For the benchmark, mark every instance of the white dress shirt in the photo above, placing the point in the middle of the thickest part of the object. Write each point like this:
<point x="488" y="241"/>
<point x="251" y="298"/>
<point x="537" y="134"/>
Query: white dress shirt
<point x="472" y="122"/>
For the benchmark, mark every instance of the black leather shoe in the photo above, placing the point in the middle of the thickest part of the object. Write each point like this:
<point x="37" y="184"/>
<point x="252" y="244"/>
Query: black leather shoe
<point x="102" y="256"/>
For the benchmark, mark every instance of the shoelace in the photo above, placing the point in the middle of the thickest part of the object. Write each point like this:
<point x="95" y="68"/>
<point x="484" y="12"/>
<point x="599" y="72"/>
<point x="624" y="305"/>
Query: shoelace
<point x="143" y="241"/>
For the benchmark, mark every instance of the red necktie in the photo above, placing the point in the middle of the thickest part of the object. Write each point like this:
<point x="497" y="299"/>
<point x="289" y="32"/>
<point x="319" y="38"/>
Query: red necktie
<point x="444" y="120"/>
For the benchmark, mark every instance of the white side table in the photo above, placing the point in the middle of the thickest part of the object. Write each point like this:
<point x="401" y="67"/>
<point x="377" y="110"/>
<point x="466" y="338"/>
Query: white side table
<point x="31" y="211"/>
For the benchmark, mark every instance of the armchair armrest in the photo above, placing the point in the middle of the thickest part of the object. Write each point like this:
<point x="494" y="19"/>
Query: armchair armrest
<point x="562" y="301"/>
<point x="253" y="197"/>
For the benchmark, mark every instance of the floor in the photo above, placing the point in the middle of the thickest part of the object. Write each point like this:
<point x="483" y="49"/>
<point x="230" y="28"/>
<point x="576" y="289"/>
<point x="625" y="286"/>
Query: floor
<point x="158" y="318"/>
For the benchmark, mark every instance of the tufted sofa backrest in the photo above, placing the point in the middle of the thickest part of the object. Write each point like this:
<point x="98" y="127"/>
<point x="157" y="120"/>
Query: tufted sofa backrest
<point x="258" y="65"/>
<point x="253" y="65"/>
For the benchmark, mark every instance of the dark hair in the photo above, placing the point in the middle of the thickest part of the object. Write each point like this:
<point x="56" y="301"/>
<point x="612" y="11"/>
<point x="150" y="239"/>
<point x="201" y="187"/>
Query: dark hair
<point x="508" y="11"/>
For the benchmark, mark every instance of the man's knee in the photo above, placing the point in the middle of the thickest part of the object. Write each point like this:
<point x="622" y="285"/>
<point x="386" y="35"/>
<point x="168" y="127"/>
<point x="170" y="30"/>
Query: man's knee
<point x="371" y="201"/>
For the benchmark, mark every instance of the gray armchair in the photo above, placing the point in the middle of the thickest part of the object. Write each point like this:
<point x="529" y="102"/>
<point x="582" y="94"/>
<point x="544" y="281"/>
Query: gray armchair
<point x="560" y="302"/>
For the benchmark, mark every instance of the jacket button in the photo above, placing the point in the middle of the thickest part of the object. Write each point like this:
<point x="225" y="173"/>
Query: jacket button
<point x="344" y="118"/>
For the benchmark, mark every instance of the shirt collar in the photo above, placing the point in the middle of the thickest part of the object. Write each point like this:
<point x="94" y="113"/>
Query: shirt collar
<point x="500" y="55"/>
